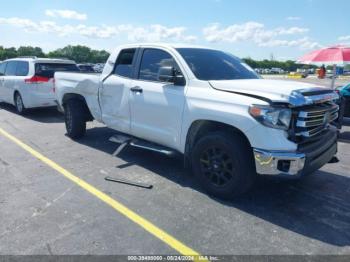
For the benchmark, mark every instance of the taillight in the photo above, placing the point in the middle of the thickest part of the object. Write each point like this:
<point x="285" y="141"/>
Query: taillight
<point x="36" y="80"/>
<point x="54" y="85"/>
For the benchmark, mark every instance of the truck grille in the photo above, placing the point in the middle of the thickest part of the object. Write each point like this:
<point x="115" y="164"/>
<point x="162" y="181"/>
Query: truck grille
<point x="312" y="120"/>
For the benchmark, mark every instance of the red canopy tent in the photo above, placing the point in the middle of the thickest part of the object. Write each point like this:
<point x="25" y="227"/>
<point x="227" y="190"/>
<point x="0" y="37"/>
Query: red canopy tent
<point x="335" y="55"/>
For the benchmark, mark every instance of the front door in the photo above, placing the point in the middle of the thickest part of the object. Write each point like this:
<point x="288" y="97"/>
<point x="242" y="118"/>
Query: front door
<point x="156" y="107"/>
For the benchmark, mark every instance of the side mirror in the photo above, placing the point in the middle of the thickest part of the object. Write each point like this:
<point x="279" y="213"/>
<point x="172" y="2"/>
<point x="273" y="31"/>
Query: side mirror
<point x="171" y="75"/>
<point x="166" y="74"/>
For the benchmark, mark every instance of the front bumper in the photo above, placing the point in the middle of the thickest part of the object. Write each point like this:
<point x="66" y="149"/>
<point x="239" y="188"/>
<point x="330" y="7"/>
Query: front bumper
<point x="295" y="164"/>
<point x="276" y="163"/>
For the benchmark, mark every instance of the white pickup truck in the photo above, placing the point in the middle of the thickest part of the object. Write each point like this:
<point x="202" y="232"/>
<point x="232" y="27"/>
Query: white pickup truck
<point x="228" y="123"/>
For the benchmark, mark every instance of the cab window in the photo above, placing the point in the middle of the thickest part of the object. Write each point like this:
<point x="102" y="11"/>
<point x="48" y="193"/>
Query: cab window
<point x="123" y="66"/>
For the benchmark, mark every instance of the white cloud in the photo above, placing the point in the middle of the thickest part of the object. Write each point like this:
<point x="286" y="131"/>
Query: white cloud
<point x="156" y="33"/>
<point x="152" y="33"/>
<point x="66" y="14"/>
<point x="302" y="43"/>
<point x="291" y="30"/>
<point x="293" y="18"/>
<point x="258" y="34"/>
<point x="344" y="38"/>
<point x="253" y="32"/>
<point x="18" y="22"/>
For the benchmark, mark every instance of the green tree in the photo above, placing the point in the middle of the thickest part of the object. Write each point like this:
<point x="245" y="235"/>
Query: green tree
<point x="30" y="51"/>
<point x="6" y="53"/>
<point x="99" y="56"/>
<point x="80" y="54"/>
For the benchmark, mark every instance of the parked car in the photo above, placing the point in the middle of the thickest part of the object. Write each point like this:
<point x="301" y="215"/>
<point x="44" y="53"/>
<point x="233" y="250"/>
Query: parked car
<point x="98" y="67"/>
<point x="228" y="123"/>
<point x="344" y="91"/>
<point x="86" y="68"/>
<point x="276" y="70"/>
<point x="344" y="103"/>
<point x="28" y="82"/>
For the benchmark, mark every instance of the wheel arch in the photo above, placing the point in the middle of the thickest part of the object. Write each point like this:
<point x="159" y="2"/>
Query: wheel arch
<point x="199" y="128"/>
<point x="77" y="97"/>
<point x="16" y="91"/>
<point x="24" y="99"/>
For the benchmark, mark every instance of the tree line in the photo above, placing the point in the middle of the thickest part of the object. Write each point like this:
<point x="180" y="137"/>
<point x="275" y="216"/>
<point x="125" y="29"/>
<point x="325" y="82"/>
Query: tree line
<point x="78" y="53"/>
<point x="288" y="65"/>
<point x="84" y="54"/>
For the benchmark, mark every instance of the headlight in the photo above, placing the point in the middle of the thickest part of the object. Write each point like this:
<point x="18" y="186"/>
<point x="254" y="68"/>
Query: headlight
<point x="273" y="117"/>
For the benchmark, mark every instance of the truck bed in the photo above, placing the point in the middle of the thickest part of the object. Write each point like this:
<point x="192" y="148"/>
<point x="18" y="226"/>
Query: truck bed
<point x="83" y="84"/>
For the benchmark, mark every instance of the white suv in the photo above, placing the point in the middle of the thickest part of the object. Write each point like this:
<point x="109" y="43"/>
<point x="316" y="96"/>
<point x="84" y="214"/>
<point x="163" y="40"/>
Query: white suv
<point x="28" y="82"/>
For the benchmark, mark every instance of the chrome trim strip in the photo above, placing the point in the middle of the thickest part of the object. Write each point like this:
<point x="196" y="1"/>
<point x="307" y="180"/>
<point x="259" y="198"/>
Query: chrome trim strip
<point x="298" y="99"/>
<point x="310" y="123"/>
<point x="305" y="114"/>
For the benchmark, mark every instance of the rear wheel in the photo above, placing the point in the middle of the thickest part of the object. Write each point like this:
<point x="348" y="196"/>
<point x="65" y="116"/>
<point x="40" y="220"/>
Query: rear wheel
<point x="74" y="116"/>
<point x="223" y="164"/>
<point x="19" y="104"/>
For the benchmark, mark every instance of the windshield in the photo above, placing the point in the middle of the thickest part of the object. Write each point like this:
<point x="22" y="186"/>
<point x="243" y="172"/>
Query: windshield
<point x="207" y="64"/>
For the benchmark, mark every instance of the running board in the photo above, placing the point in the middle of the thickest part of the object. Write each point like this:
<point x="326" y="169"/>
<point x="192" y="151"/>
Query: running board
<point x="120" y="139"/>
<point x="152" y="147"/>
<point x="125" y="140"/>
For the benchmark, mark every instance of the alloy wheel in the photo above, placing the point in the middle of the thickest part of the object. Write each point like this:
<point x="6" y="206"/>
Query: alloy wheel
<point x="217" y="166"/>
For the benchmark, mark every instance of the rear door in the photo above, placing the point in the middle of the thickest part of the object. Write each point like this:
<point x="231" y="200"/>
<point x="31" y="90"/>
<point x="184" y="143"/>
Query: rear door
<point x="114" y="92"/>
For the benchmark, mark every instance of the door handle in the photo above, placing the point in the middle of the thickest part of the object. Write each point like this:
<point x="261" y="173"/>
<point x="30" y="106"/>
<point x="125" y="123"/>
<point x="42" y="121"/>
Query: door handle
<point x="136" y="89"/>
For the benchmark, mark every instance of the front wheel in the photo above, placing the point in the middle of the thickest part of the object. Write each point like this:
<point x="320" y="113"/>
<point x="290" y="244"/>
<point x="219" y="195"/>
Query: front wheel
<point x="75" y="119"/>
<point x="223" y="164"/>
<point x="19" y="104"/>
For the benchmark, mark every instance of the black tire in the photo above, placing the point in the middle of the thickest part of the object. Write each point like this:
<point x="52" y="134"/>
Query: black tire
<point x="223" y="164"/>
<point x="74" y="117"/>
<point x="18" y="101"/>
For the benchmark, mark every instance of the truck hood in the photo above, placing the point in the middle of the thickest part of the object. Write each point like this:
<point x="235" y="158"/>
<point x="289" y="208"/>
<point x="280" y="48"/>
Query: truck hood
<point x="277" y="91"/>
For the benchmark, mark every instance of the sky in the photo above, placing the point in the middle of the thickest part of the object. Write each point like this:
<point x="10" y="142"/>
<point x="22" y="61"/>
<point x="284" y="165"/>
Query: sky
<point x="259" y="29"/>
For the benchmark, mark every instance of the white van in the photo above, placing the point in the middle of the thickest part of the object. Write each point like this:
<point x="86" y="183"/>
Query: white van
<point x="28" y="82"/>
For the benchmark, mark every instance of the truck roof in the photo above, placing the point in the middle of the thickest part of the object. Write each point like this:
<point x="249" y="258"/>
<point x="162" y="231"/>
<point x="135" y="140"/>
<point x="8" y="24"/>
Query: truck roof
<point x="164" y="45"/>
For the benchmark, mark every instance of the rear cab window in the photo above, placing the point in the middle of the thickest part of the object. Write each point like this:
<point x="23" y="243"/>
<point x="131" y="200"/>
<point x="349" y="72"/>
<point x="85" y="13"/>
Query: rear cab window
<point x="124" y="64"/>
<point x="49" y="69"/>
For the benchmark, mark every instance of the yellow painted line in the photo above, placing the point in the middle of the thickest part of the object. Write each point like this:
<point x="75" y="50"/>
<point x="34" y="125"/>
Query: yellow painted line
<point x="142" y="222"/>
